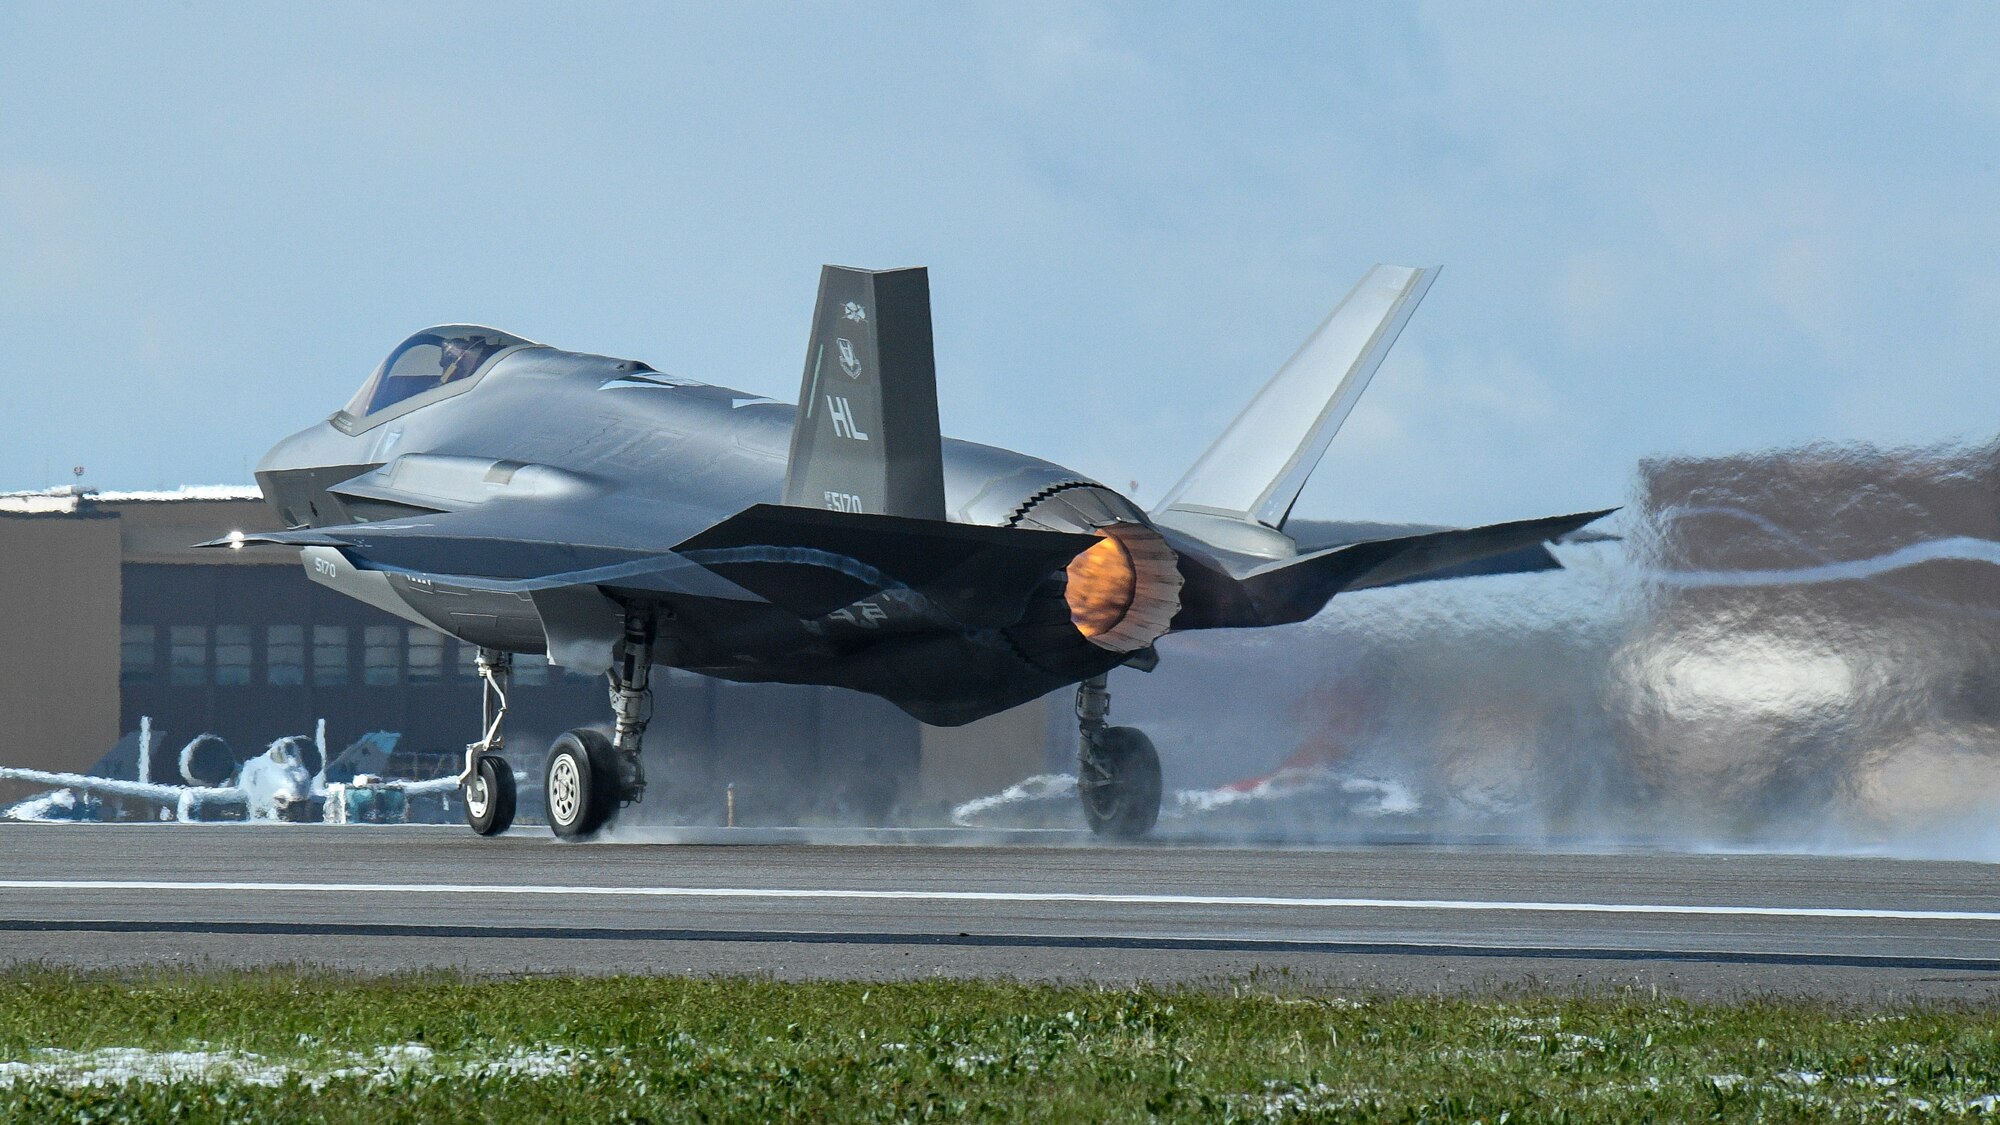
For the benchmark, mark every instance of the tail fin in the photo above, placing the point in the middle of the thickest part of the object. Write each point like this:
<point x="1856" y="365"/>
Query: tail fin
<point x="1254" y="471"/>
<point x="867" y="439"/>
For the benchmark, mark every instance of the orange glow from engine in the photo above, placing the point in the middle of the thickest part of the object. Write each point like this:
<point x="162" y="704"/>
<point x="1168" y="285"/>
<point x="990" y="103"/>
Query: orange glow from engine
<point x="1101" y="584"/>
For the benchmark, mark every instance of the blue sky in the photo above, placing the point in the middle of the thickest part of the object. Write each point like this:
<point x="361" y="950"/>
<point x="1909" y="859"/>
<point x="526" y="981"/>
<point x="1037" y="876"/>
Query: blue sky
<point x="1684" y="228"/>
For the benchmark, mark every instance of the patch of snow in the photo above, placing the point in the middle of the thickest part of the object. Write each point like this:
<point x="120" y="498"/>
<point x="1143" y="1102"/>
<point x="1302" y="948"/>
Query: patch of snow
<point x="978" y="1060"/>
<point x="1727" y="1082"/>
<point x="184" y="492"/>
<point x="48" y="806"/>
<point x="115" y="1066"/>
<point x="1374" y="797"/>
<point x="1285" y="1099"/>
<point x="1033" y="790"/>
<point x="1364" y="796"/>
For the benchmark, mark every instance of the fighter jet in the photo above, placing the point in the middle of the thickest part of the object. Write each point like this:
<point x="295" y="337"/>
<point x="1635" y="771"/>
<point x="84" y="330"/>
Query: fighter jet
<point x="526" y="499"/>
<point x="274" y="785"/>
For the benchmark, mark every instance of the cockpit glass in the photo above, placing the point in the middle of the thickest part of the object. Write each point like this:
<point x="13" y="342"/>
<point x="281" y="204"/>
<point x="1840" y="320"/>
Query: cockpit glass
<point x="430" y="359"/>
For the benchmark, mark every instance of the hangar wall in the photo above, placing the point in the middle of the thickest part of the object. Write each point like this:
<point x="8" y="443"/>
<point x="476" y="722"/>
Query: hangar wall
<point x="59" y="602"/>
<point x="107" y="615"/>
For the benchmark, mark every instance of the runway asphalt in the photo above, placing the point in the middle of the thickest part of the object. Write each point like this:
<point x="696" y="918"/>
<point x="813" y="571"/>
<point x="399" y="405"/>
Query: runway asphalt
<point x="1397" y="918"/>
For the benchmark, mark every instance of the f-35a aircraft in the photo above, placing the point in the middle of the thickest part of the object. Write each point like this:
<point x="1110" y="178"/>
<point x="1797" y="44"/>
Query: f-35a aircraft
<point x="530" y="500"/>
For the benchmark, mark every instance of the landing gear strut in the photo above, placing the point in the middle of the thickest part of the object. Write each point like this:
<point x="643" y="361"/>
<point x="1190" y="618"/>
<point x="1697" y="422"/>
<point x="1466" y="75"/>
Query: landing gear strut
<point x="1117" y="769"/>
<point x="589" y="776"/>
<point x="487" y="782"/>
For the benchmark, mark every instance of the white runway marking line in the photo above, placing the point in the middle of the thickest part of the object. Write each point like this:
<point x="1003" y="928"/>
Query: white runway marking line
<point x="1107" y="899"/>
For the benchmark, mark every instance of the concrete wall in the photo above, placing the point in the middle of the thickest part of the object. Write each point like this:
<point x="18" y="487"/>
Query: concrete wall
<point x="960" y="763"/>
<point x="60" y="596"/>
<point x="155" y="532"/>
<point x="792" y="752"/>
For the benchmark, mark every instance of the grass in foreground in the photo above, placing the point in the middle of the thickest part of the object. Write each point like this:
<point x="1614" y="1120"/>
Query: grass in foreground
<point x="298" y="1046"/>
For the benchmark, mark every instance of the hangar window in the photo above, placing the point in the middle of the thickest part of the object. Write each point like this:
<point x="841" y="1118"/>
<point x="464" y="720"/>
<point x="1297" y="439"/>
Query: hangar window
<point x="285" y="655"/>
<point x="433" y="358"/>
<point x="187" y="655"/>
<point x="426" y="655"/>
<point x="382" y="656"/>
<point x="330" y="655"/>
<point x="232" y="655"/>
<point x="137" y="656"/>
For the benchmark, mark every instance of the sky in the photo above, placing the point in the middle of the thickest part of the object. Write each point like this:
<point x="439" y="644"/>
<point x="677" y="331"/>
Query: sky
<point x="1673" y="229"/>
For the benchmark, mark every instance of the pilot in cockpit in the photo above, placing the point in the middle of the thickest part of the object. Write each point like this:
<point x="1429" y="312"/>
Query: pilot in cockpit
<point x="462" y="357"/>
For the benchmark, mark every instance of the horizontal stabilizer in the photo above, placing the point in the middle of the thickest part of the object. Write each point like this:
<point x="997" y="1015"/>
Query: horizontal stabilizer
<point x="813" y="562"/>
<point x="1293" y="590"/>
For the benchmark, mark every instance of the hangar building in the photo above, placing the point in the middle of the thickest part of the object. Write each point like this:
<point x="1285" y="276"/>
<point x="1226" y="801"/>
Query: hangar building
<point x="107" y="614"/>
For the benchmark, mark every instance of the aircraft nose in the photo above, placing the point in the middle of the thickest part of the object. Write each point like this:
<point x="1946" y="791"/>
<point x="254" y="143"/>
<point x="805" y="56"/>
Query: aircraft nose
<point x="291" y="472"/>
<point x="301" y="450"/>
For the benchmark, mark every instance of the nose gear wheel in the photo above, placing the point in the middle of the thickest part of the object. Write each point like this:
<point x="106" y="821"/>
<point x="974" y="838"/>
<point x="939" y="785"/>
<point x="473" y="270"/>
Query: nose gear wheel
<point x="487" y="782"/>
<point x="490" y="796"/>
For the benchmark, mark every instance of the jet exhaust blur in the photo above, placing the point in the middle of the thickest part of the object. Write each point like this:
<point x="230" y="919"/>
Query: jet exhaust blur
<point x="1789" y="650"/>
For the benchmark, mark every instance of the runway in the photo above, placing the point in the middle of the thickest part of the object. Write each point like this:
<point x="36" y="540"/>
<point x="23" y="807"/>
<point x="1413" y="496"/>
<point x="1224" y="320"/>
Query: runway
<point x="1402" y="918"/>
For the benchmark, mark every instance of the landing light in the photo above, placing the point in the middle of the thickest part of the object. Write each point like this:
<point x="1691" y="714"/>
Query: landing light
<point x="236" y="540"/>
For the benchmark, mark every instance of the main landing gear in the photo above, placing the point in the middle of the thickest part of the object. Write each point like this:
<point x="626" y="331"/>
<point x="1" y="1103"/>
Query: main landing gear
<point x="1117" y="769"/>
<point x="588" y="775"/>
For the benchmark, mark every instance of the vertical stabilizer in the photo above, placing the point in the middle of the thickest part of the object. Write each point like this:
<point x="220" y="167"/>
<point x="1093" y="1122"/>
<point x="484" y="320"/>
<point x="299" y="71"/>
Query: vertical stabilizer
<point x="867" y="433"/>
<point x="1254" y="471"/>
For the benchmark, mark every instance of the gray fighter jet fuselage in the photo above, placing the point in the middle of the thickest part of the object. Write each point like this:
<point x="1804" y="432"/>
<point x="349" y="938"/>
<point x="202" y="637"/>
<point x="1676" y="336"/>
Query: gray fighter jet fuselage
<point x="526" y="499"/>
<point x="611" y="457"/>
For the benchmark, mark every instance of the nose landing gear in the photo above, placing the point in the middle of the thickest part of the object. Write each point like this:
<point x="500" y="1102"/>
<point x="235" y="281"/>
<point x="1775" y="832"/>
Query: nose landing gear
<point x="487" y="782"/>
<point x="1117" y="769"/>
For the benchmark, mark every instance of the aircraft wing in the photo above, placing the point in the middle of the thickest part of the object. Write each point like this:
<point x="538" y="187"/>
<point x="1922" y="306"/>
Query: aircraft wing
<point x="810" y="561"/>
<point x="515" y="547"/>
<point x="116" y="787"/>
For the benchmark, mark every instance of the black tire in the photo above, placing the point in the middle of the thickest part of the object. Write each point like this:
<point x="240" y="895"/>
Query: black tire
<point x="1120" y="784"/>
<point x="491" y="796"/>
<point x="580" y="784"/>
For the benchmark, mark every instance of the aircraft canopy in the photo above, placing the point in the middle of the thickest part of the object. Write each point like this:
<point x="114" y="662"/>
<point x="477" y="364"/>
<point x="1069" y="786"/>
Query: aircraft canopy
<point x="448" y="353"/>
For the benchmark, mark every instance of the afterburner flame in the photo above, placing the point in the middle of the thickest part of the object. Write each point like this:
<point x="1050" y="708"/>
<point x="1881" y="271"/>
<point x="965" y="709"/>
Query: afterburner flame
<point x="1102" y="582"/>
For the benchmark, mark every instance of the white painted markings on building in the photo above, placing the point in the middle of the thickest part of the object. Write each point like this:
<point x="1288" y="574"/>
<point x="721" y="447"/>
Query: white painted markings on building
<point x="1085" y="898"/>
